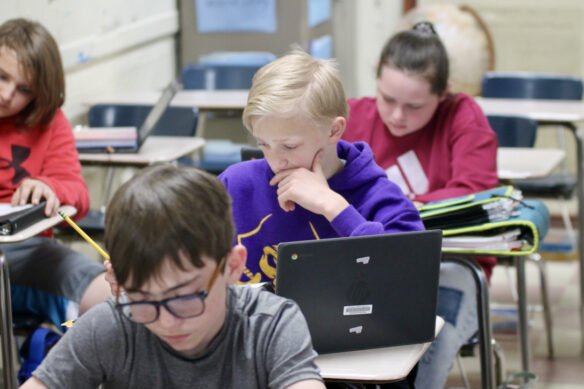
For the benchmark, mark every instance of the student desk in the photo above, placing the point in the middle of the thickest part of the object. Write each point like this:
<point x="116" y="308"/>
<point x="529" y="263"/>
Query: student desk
<point x="379" y="365"/>
<point x="516" y="163"/>
<point x="206" y="101"/>
<point x="7" y="341"/>
<point x="565" y="113"/>
<point x="154" y="149"/>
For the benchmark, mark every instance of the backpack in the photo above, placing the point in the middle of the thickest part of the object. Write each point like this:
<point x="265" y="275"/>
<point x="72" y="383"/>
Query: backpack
<point x="33" y="351"/>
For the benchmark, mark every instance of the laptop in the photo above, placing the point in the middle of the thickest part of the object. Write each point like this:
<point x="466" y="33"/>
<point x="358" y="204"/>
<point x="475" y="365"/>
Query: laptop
<point x="364" y="292"/>
<point x="125" y="139"/>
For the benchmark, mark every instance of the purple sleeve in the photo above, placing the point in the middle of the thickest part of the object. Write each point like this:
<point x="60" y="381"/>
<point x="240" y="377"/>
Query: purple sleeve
<point x="351" y="223"/>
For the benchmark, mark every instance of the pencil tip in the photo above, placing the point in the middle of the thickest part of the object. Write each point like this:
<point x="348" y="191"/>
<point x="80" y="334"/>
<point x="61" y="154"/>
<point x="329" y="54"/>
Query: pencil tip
<point x="69" y="323"/>
<point x="62" y="214"/>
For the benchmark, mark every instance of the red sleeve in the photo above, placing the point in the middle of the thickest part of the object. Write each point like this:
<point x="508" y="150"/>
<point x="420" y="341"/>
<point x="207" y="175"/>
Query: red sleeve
<point x="473" y="150"/>
<point x="61" y="169"/>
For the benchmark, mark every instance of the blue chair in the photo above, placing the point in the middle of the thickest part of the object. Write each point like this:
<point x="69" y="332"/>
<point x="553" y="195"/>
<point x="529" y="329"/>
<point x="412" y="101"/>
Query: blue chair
<point x="514" y="131"/>
<point x="176" y="121"/>
<point x="218" y="76"/>
<point x="529" y="85"/>
<point x="218" y="154"/>
<point x="518" y="131"/>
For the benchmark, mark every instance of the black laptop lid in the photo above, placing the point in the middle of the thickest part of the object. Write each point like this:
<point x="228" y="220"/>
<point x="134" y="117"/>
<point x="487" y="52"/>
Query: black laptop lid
<point x="364" y="292"/>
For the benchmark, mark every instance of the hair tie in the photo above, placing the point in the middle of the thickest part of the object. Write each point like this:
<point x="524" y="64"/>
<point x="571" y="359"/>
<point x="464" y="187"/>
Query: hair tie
<point x="424" y="27"/>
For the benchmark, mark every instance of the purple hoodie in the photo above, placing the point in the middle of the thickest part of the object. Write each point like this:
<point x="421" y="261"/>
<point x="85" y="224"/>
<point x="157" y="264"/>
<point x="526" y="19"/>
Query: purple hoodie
<point x="377" y="206"/>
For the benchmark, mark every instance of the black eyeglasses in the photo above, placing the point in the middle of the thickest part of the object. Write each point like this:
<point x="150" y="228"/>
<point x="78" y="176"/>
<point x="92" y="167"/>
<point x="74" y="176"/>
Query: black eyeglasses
<point x="184" y="307"/>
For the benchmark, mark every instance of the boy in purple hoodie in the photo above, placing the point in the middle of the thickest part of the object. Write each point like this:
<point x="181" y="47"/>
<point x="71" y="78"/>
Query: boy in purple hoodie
<point x="311" y="184"/>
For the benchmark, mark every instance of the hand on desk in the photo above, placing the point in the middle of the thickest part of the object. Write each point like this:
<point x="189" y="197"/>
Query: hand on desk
<point x="32" y="190"/>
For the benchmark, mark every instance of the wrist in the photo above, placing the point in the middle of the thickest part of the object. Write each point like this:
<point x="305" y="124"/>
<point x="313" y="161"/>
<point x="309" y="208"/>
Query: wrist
<point x="334" y="206"/>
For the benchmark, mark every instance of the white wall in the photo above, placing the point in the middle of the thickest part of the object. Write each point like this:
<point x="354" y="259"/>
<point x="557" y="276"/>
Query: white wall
<point x="106" y="45"/>
<point x="542" y="35"/>
<point x="361" y="28"/>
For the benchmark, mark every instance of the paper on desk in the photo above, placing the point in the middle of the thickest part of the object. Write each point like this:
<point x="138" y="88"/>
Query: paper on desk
<point x="7" y="209"/>
<point x="509" y="174"/>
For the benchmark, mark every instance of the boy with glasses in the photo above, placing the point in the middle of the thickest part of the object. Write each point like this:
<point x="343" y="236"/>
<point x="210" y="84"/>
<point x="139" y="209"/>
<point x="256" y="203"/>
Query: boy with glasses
<point x="180" y="322"/>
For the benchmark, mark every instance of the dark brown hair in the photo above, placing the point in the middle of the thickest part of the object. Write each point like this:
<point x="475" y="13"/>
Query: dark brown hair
<point x="162" y="213"/>
<point x="420" y="52"/>
<point x="39" y="57"/>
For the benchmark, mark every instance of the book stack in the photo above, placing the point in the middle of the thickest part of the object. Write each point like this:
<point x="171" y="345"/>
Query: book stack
<point x="96" y="137"/>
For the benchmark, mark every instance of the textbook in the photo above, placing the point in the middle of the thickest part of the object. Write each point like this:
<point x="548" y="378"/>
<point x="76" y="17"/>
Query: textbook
<point x="15" y="219"/>
<point x="92" y="137"/>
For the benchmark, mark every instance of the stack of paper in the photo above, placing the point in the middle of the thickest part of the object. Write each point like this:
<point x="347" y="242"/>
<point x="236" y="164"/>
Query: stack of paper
<point x="506" y="241"/>
<point x="93" y="137"/>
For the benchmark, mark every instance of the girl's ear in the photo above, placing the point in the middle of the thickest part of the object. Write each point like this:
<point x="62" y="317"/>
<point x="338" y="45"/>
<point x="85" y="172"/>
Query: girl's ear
<point x="235" y="263"/>
<point x="337" y="129"/>
<point x="446" y="91"/>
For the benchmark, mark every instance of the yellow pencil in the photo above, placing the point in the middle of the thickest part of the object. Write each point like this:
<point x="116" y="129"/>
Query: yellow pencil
<point x="91" y="242"/>
<point x="84" y="235"/>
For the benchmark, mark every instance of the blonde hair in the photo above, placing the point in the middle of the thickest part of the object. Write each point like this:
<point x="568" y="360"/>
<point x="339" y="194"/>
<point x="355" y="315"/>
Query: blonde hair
<point x="38" y="55"/>
<point x="296" y="81"/>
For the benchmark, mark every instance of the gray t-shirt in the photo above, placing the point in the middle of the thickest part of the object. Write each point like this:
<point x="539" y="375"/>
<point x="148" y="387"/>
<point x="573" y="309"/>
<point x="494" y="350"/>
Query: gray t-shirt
<point x="264" y="343"/>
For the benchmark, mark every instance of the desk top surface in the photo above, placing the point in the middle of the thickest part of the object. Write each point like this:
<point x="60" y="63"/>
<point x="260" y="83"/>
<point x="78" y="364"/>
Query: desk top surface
<point x="202" y="99"/>
<point x="39" y="227"/>
<point x="375" y="365"/>
<point x="154" y="149"/>
<point x="516" y="163"/>
<point x="540" y="110"/>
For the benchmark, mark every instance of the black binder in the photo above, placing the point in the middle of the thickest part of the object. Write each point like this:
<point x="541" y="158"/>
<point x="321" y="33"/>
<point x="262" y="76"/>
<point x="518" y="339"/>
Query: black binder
<point x="17" y="221"/>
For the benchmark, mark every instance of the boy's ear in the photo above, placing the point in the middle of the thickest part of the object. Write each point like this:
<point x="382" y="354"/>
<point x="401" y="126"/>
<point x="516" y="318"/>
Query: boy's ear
<point x="337" y="129"/>
<point x="235" y="263"/>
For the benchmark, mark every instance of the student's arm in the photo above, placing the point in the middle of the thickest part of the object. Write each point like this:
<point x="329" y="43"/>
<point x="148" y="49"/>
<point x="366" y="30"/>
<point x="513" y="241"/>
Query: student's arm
<point x="307" y="384"/>
<point x="61" y="169"/>
<point x="473" y="162"/>
<point x="33" y="383"/>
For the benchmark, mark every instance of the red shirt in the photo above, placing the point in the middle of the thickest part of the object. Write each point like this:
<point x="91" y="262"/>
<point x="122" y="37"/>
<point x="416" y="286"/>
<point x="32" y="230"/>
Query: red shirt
<point x="453" y="155"/>
<point x="47" y="154"/>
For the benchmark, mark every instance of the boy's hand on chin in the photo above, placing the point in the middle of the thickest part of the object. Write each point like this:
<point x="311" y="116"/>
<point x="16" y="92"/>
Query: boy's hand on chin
<point x="309" y="189"/>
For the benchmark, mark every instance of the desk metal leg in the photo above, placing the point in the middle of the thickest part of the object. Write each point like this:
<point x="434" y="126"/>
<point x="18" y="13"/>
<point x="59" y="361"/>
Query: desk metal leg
<point x="8" y="369"/>
<point x="580" y="180"/>
<point x="484" y="320"/>
<point x="522" y="313"/>
<point x="580" y="193"/>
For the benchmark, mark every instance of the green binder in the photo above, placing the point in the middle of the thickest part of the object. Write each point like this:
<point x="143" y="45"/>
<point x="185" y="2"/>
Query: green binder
<point x="493" y="222"/>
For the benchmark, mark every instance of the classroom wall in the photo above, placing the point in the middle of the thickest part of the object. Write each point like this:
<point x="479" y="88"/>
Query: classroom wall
<point x="361" y="28"/>
<point x="106" y="45"/>
<point x="542" y="36"/>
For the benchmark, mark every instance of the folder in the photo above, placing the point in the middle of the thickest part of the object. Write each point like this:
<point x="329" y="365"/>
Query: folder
<point x="15" y="219"/>
<point x="493" y="222"/>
